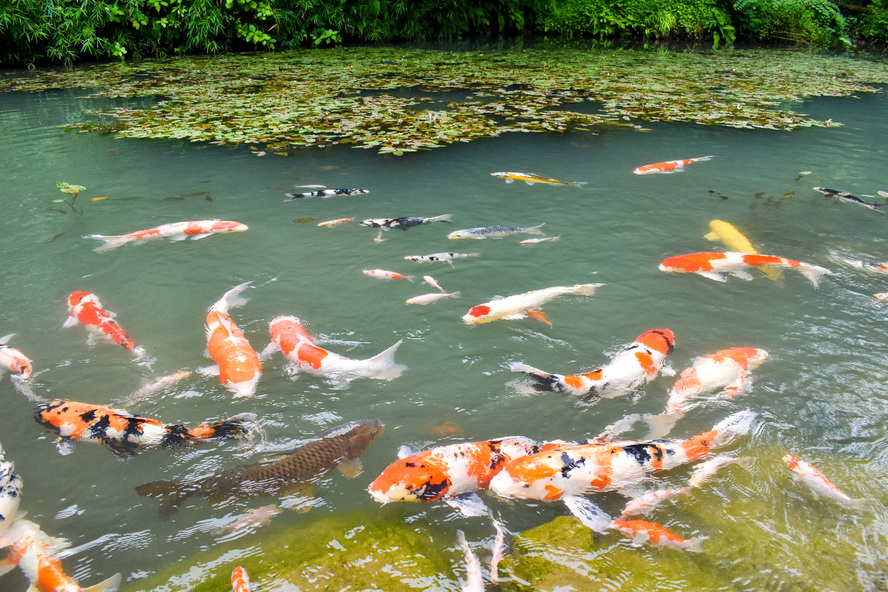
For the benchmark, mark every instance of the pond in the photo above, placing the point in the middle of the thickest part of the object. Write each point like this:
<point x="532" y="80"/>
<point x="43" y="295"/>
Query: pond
<point x="820" y="394"/>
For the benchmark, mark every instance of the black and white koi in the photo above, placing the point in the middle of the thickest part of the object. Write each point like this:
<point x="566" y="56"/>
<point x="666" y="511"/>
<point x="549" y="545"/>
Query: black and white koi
<point x="845" y="196"/>
<point x="404" y="222"/>
<point x="325" y="193"/>
<point x="10" y="492"/>
<point x="439" y="257"/>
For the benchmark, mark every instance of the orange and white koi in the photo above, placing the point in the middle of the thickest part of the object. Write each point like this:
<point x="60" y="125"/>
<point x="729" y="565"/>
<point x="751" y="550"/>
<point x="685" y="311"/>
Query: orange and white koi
<point x="726" y="371"/>
<point x="237" y="362"/>
<point x="638" y="363"/>
<point x="712" y="265"/>
<point x="336" y="222"/>
<point x="813" y="478"/>
<point x="126" y="433"/>
<point x="86" y="309"/>
<point x="10" y="492"/>
<point x="521" y="306"/>
<point x="569" y="472"/>
<point x="13" y="359"/>
<point x="645" y="503"/>
<point x="290" y="337"/>
<point x="670" y="166"/>
<point x="383" y="274"/>
<point x="726" y="233"/>
<point x="240" y="582"/>
<point x="432" y="297"/>
<point x="32" y="551"/>
<point x="176" y="231"/>
<point x="642" y="531"/>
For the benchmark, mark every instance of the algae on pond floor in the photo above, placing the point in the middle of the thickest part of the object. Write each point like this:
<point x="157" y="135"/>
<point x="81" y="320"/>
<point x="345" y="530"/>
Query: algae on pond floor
<point x="385" y="98"/>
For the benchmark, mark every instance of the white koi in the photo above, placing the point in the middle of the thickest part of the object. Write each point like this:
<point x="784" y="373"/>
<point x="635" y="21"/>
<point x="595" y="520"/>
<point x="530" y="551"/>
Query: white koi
<point x="523" y="305"/>
<point x="432" y="297"/>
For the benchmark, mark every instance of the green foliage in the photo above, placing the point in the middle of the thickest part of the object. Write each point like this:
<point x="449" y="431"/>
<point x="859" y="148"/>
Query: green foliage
<point x="815" y="22"/>
<point x="73" y="191"/>
<point x="874" y="24"/>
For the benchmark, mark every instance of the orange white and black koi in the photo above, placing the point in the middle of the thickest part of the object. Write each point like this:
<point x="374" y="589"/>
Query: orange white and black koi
<point x="670" y="166"/>
<point x="86" y="309"/>
<point x="126" y="433"/>
<point x="638" y="363"/>
<point x="13" y="359"/>
<point x="176" y="231"/>
<point x="713" y="264"/>
<point x="238" y="363"/>
<point x="10" y="492"/>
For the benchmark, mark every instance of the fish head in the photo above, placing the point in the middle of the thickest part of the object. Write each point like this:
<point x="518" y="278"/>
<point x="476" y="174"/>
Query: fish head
<point x="361" y="434"/>
<point x="76" y="299"/>
<point x="372" y="222"/>
<point x="229" y="226"/>
<point x="659" y="340"/>
<point x="478" y="314"/>
<point x="415" y="478"/>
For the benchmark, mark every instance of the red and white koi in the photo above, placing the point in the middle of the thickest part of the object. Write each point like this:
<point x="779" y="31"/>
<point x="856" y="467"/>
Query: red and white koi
<point x="670" y="166"/>
<point x="813" y="478"/>
<point x="176" y="231"/>
<point x="240" y="582"/>
<point x="126" y="433"/>
<point x="432" y="297"/>
<point x="712" y="265"/>
<point x="86" y="309"/>
<point x="336" y="222"/>
<point x="383" y="274"/>
<point x="10" y="492"/>
<point x="290" y="337"/>
<point x="521" y="306"/>
<point x="13" y="359"/>
<point x="638" y="363"/>
<point x="726" y="371"/>
<point x="33" y="551"/>
<point x="237" y="362"/>
<point x="642" y="531"/>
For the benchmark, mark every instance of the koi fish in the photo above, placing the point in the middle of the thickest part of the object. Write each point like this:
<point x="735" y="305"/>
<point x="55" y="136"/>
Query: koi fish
<point x="813" y="478"/>
<point x="642" y="531"/>
<point x="431" y="281"/>
<point x="240" y="582"/>
<point x="706" y="469"/>
<point x="86" y="309"/>
<point x="325" y="193"/>
<point x="845" y="196"/>
<point x="237" y="362"/>
<point x="530" y="179"/>
<point x="290" y="337"/>
<point x="865" y="266"/>
<point x="432" y="297"/>
<point x="336" y="222"/>
<point x="730" y="236"/>
<point x="713" y="265"/>
<point x="176" y="231"/>
<point x="521" y="306"/>
<point x="32" y="550"/>
<point x="337" y="448"/>
<point x="638" y="363"/>
<point x="568" y="472"/>
<point x="439" y="257"/>
<point x="403" y="222"/>
<point x="126" y="433"/>
<point x="10" y="492"/>
<point x="480" y="232"/>
<point x="383" y="274"/>
<point x="474" y="580"/>
<point x="670" y="166"/>
<point x="534" y="241"/>
<point x="13" y="359"/>
<point x="644" y="504"/>
<point x="254" y="517"/>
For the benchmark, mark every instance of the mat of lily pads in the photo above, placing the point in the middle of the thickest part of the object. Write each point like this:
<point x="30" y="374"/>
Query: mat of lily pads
<point x="402" y="100"/>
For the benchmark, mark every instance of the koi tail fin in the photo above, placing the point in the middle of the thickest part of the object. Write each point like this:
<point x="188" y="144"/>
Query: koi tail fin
<point x="738" y="424"/>
<point x="383" y="366"/>
<point x="813" y="273"/>
<point x="231" y="298"/>
<point x="109" y="585"/>
<point x="580" y="184"/>
<point x="586" y="289"/>
<point x="702" y="158"/>
<point x="108" y="242"/>
<point x="228" y="428"/>
<point x="171" y="494"/>
<point x="535" y="229"/>
<point x="660" y="425"/>
<point x="539" y="380"/>
<point x="442" y="218"/>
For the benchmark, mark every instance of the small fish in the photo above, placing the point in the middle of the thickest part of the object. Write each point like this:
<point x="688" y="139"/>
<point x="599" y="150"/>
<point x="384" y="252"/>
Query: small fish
<point x="813" y="478"/>
<point x="494" y="231"/>
<point x="726" y="233"/>
<point x="325" y="193"/>
<point x="499" y="546"/>
<point x="237" y="362"/>
<point x="337" y="448"/>
<point x="176" y="231"/>
<point x="642" y="531"/>
<point x="126" y="433"/>
<point x="255" y="517"/>
<point x="13" y="359"/>
<point x="86" y="309"/>
<point x="521" y="306"/>
<point x="240" y="582"/>
<point x="534" y="241"/>
<point x="336" y="222"/>
<point x="650" y="500"/>
<point x="637" y="364"/>
<point x="404" y="222"/>
<point x="150" y="388"/>
<point x="705" y="470"/>
<point x="383" y="274"/>
<point x="439" y="257"/>
<point x="304" y="220"/>
<point x="431" y="281"/>
<point x="530" y="179"/>
<point x="432" y="297"/>
<point x="845" y="196"/>
<point x="448" y="428"/>
<point x="10" y="492"/>
<point x="670" y="166"/>
<point x="474" y="581"/>
<point x="865" y="266"/>
<point x="290" y="337"/>
<point x="881" y="296"/>
<point x="712" y="265"/>
<point x="33" y="551"/>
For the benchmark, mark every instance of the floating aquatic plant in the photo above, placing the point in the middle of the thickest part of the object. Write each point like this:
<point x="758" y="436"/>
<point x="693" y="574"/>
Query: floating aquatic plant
<point x="72" y="190"/>
<point x="397" y="100"/>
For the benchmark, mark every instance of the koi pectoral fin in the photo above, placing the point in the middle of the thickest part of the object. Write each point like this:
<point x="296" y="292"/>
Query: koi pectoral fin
<point x="350" y="468"/>
<point x="538" y="314"/>
<point x="588" y="513"/>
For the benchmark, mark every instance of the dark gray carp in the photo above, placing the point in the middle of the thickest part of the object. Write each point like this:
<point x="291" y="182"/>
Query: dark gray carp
<point x="339" y="447"/>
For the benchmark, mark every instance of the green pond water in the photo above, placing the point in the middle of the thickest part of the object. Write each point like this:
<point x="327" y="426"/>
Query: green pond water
<point x="820" y="395"/>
